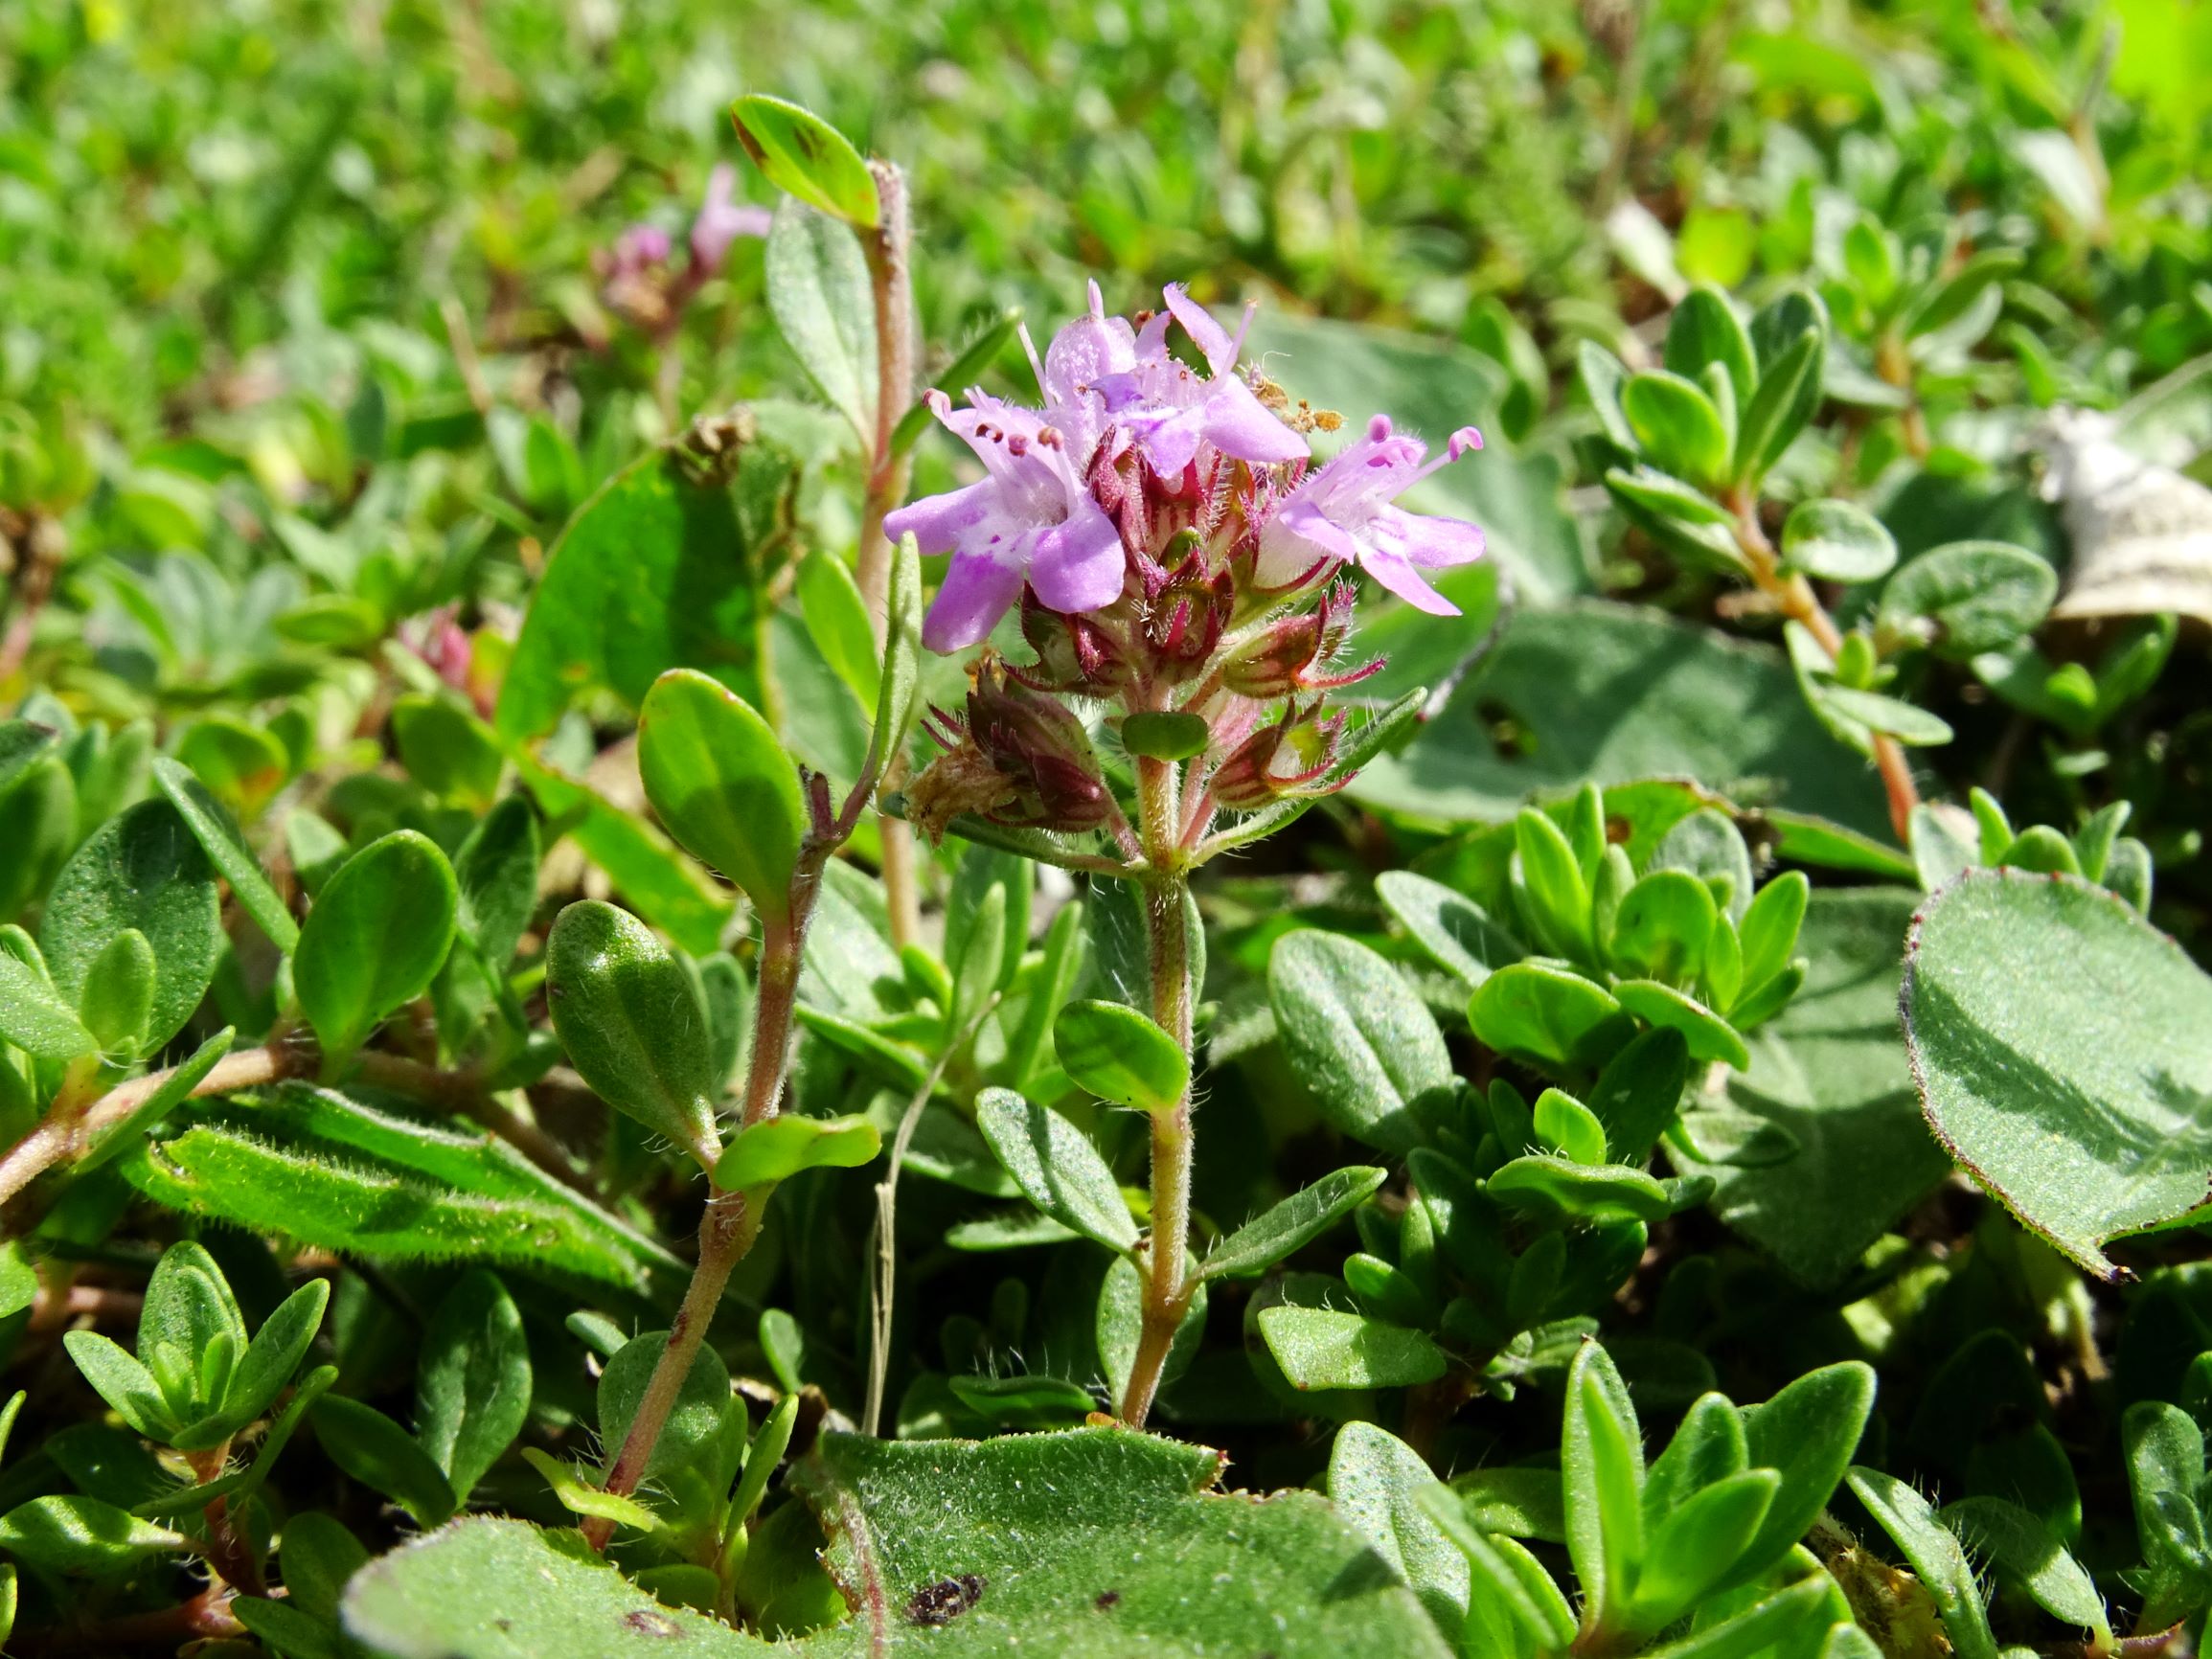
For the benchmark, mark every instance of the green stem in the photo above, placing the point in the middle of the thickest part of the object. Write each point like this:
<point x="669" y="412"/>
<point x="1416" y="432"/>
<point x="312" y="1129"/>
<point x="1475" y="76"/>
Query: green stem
<point x="1168" y="1286"/>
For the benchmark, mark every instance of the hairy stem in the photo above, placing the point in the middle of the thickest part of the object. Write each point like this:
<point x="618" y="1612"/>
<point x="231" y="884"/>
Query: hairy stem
<point x="1793" y="596"/>
<point x="733" y="1219"/>
<point x="1168" y="1286"/>
<point x="227" y="1553"/>
<point x="891" y="279"/>
<point x="726" y="1232"/>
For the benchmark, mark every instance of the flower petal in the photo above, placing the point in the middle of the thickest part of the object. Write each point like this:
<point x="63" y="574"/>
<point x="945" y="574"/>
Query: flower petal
<point x="1425" y="539"/>
<point x="1211" y="338"/>
<point x="1238" y="424"/>
<point x="979" y="587"/>
<point x="1078" y="565"/>
<point x="1395" y="572"/>
<point x="938" y="522"/>
<point x="1299" y="537"/>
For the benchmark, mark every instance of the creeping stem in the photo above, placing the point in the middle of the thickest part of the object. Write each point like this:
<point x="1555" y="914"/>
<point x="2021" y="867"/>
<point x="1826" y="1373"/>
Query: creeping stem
<point x="1168" y="1286"/>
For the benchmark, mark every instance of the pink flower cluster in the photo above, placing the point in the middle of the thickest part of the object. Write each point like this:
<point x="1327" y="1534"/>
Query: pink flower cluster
<point x="1084" y="500"/>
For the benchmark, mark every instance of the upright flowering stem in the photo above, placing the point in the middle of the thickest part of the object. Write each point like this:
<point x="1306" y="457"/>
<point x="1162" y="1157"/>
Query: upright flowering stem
<point x="888" y="248"/>
<point x="1166" y="895"/>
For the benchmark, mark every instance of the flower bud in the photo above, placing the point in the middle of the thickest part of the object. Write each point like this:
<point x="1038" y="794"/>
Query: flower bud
<point x="1023" y="761"/>
<point x="1073" y="652"/>
<point x="1289" y="757"/>
<point x="1292" y="655"/>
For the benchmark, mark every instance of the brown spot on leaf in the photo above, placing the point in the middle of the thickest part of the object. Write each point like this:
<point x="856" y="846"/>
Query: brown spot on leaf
<point x="941" y="1603"/>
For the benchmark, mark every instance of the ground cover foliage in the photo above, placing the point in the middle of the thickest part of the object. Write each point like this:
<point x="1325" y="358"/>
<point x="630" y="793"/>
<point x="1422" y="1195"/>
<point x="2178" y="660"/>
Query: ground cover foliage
<point x="1298" y="829"/>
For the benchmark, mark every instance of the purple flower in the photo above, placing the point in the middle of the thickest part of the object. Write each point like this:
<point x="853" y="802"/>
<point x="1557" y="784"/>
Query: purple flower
<point x="1033" y="517"/>
<point x="1030" y="518"/>
<point x="637" y="251"/>
<point x="1342" y="514"/>
<point x="1165" y="408"/>
<point x="722" y="220"/>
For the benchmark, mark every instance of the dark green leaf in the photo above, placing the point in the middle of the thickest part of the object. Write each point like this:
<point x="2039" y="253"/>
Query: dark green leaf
<point x="820" y="295"/>
<point x="1057" y="1168"/>
<point x="472" y="1386"/>
<point x="804" y="156"/>
<point x="1968" y="597"/>
<point x="1356" y="1034"/>
<point x="1836" y="541"/>
<point x="375" y="939"/>
<point x="146" y="871"/>
<point x="779" y="1147"/>
<point x="723" y="785"/>
<point x="1319" y="1348"/>
<point x="1455" y="931"/>
<point x="383" y="1457"/>
<point x="82" y="1537"/>
<point x="630" y="1018"/>
<point x="1290" y="1226"/>
<point x="225" y="845"/>
<point x="1120" y="1055"/>
<point x="1935" y="1556"/>
<point x="1544" y="1013"/>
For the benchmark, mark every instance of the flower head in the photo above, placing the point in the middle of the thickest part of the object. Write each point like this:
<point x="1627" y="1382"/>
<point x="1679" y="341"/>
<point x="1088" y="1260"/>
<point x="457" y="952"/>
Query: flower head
<point x="1342" y="514"/>
<point x="1111" y="395"/>
<point x="723" y="219"/>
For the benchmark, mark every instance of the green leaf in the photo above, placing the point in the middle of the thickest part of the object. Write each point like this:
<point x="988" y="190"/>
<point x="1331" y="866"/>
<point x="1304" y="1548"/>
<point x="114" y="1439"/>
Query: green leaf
<point x="383" y="1457"/>
<point x="2076" y="1106"/>
<point x="1836" y="541"/>
<point x="34" y="1019"/>
<point x="1908" y="722"/>
<point x="472" y="1386"/>
<point x="1602" y="1470"/>
<point x="275" y="1353"/>
<point x="1693" y="1547"/>
<point x="312" y="1166"/>
<point x="1935" y="1556"/>
<point x="1319" y="1348"/>
<point x="123" y="1382"/>
<point x="1710" y="1036"/>
<point x="723" y="785"/>
<point x="1292" y="1224"/>
<point x="659" y="569"/>
<point x="694" y="1457"/>
<point x="1611" y="694"/>
<point x="82" y="1537"/>
<point x="177" y="1084"/>
<point x="143" y="869"/>
<point x="1946" y="302"/>
<point x="824" y="305"/>
<point x="1677" y="425"/>
<point x="1769" y="929"/>
<point x="1120" y="1055"/>
<point x="375" y="939"/>
<point x="1024" y="1402"/>
<point x="1375" y="1481"/>
<point x="2023" y="1552"/>
<point x="220" y="839"/>
<point x="1571" y="1126"/>
<point x="21" y="743"/>
<point x="1789" y="381"/>
<point x="1639" y="1091"/>
<point x="1829" y="1079"/>
<point x="1356" y="1034"/>
<point x="895" y="701"/>
<point x="447" y="750"/>
<point x="1808" y="1432"/>
<point x="1968" y="597"/>
<point x="630" y="1018"/>
<point x="242" y="763"/>
<point x="1455" y="932"/>
<point x="1165" y="735"/>
<point x="1554" y="893"/>
<point x="1543" y="1013"/>
<point x="1082" y="1542"/>
<point x="1057" y="1168"/>
<point x="1593" y="1192"/>
<point x="1705" y="330"/>
<point x="804" y="156"/>
<point x="117" y="994"/>
<point x="1772" y="1625"/>
<point x="496" y="870"/>
<point x="779" y="1147"/>
<point x="837" y="622"/>
<point x="1662" y="924"/>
